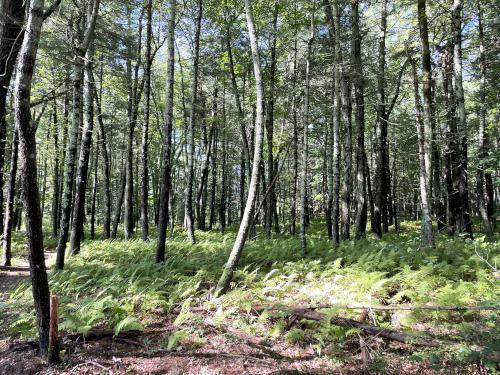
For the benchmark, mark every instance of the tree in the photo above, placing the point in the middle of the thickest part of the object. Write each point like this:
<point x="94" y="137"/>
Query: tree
<point x="145" y="126"/>
<point x="79" y="50"/>
<point x="425" y="136"/>
<point x="167" y="138"/>
<point x="191" y="130"/>
<point x="11" y="36"/>
<point x="358" y="78"/>
<point x="28" y="169"/>
<point x="239" y="243"/>
<point x="464" y="222"/>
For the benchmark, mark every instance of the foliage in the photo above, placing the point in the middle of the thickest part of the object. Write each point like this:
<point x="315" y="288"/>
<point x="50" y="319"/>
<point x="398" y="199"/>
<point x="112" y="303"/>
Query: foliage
<point x="117" y="284"/>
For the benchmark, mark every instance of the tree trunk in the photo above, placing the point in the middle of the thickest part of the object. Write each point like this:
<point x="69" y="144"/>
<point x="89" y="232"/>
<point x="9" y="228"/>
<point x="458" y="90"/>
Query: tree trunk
<point x="145" y="126"/>
<point x="134" y="97"/>
<point x="271" y="198"/>
<point x="55" y="173"/>
<point x="464" y="222"/>
<point x="119" y="202"/>
<point x="67" y="199"/>
<point x="27" y="151"/>
<point x="361" y="206"/>
<point x="106" y="164"/>
<point x="336" y="122"/>
<point x="191" y="132"/>
<point x="83" y="160"/>
<point x="305" y="142"/>
<point x="346" y="109"/>
<point x="241" y="237"/>
<point x="428" y="121"/>
<point x="9" y="204"/>
<point x="11" y="35"/>
<point x="167" y="138"/>
<point x="94" y="189"/>
<point x="423" y="152"/>
<point x="483" y="134"/>
<point x="380" y="198"/>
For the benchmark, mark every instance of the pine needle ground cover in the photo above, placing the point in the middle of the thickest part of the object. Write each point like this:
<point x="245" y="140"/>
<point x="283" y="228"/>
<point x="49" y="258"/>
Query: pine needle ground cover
<point x="116" y="285"/>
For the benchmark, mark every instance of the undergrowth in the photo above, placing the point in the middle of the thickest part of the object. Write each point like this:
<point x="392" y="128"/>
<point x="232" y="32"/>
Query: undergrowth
<point x="116" y="284"/>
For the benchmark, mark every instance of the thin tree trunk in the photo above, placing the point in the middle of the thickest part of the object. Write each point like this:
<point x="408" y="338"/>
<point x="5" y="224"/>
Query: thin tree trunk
<point x="483" y="134"/>
<point x="55" y="173"/>
<point x="361" y="206"/>
<point x="191" y="132"/>
<point x="9" y="204"/>
<point x="346" y="108"/>
<point x="106" y="164"/>
<point x="83" y="161"/>
<point x="134" y="97"/>
<point x="464" y="223"/>
<point x="167" y="138"/>
<point x="11" y="36"/>
<point x="336" y="122"/>
<point x="305" y="142"/>
<point x="28" y="169"/>
<point x="119" y="203"/>
<point x="67" y="199"/>
<point x="381" y="132"/>
<point x="145" y="126"/>
<point x="271" y="199"/>
<point x="423" y="152"/>
<point x="227" y="275"/>
<point x="94" y="190"/>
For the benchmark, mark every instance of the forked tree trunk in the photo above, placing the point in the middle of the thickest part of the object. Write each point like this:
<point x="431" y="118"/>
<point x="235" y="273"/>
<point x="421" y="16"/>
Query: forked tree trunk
<point x="227" y="275"/>
<point x="67" y="199"/>
<point x="83" y="160"/>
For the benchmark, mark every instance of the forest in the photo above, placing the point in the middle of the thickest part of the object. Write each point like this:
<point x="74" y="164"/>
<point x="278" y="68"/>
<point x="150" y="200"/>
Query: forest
<point x="249" y="187"/>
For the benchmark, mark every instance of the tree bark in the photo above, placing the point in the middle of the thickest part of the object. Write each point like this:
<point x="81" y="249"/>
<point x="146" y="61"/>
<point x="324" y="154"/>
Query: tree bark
<point x="28" y="169"/>
<point x="483" y="134"/>
<point x="227" y="275"/>
<point x="271" y="199"/>
<point x="358" y="78"/>
<point x="425" y="136"/>
<point x="134" y="97"/>
<point x="380" y="198"/>
<point x="464" y="222"/>
<point x="305" y="141"/>
<point x="83" y="161"/>
<point x="145" y="126"/>
<point x="167" y="138"/>
<point x="192" y="125"/>
<point x="67" y="199"/>
<point x="11" y="36"/>
<point x="9" y="204"/>
<point x="423" y="152"/>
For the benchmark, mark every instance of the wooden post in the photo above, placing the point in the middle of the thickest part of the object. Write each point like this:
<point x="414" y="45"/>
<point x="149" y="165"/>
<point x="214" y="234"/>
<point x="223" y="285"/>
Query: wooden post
<point x="53" y="330"/>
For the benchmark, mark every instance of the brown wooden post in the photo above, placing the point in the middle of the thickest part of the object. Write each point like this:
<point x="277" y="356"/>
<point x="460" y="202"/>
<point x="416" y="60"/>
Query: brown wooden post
<point x="53" y="330"/>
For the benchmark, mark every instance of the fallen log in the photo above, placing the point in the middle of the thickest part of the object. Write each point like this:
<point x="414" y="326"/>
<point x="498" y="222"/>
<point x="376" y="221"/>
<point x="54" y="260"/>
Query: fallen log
<point x="261" y="308"/>
<point x="386" y="333"/>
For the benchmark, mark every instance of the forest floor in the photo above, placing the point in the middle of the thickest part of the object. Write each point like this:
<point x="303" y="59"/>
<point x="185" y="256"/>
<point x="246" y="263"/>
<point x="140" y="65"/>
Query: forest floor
<point x="122" y="314"/>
